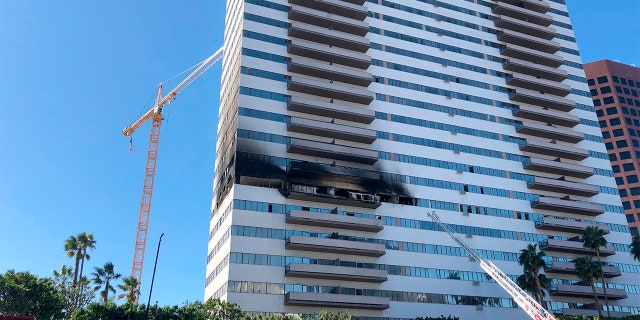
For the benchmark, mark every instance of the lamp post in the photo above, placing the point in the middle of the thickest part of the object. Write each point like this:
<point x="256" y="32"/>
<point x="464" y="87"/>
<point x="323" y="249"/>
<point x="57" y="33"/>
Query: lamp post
<point x="154" y="274"/>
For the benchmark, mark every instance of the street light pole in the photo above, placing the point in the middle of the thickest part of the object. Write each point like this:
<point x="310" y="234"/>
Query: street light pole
<point x="154" y="274"/>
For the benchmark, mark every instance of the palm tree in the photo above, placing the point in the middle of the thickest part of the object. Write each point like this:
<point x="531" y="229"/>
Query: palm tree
<point x="104" y="276"/>
<point x="635" y="248"/>
<point x="593" y="237"/>
<point x="532" y="261"/>
<point x="76" y="246"/>
<point x="130" y="287"/>
<point x="588" y="271"/>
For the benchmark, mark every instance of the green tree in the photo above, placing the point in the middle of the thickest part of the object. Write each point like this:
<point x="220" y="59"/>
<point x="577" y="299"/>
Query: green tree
<point x="593" y="237"/>
<point x="22" y="293"/>
<point x="75" y="296"/>
<point x="105" y="276"/>
<point x="130" y="287"/>
<point x="588" y="271"/>
<point x="77" y="246"/>
<point x="635" y="248"/>
<point x="218" y="309"/>
<point x="327" y="315"/>
<point x="532" y="261"/>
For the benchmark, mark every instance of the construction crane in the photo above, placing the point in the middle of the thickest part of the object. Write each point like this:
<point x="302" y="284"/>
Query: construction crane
<point x="524" y="301"/>
<point x="155" y="114"/>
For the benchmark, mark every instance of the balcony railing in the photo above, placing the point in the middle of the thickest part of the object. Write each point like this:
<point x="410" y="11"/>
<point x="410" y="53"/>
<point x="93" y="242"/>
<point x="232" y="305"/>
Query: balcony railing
<point x="567" y="206"/>
<point x="573" y="246"/>
<point x="329" y="89"/>
<point x="330" y="54"/>
<point x="548" y="116"/>
<point x="565" y="225"/>
<point x="563" y="186"/>
<point x="554" y="149"/>
<point x="550" y="132"/>
<point x="332" y="151"/>
<point x="328" y="20"/>
<point x="335" y="246"/>
<point x="329" y="37"/>
<point x="557" y="167"/>
<point x="534" y="69"/>
<point x="331" y="110"/>
<point x="538" y="84"/>
<point x="329" y="71"/>
<point x="328" y="300"/>
<point x="540" y="29"/>
<point x="581" y="291"/>
<point x="331" y="130"/>
<point x="319" y="271"/>
<point x="336" y="221"/>
<point x="351" y="9"/>
<point x="339" y="197"/>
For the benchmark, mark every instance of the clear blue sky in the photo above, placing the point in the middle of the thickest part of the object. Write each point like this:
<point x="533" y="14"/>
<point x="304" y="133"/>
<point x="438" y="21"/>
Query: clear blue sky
<point x="74" y="73"/>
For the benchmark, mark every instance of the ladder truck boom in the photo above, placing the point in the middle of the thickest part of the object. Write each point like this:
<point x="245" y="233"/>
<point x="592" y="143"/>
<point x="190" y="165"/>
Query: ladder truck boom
<point x="524" y="301"/>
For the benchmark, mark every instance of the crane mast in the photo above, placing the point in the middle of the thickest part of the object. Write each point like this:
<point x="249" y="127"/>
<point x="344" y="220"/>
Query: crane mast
<point x="155" y="114"/>
<point x="524" y="301"/>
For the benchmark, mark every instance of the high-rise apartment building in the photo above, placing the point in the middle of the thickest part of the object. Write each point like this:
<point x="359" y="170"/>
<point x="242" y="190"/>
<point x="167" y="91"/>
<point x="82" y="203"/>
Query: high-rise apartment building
<point x="615" y="87"/>
<point x="342" y="122"/>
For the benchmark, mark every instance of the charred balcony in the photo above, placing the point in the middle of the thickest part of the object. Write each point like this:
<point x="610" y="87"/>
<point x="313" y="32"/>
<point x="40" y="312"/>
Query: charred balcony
<point x="350" y="8"/>
<point x="329" y="37"/>
<point x="330" y="90"/>
<point x="330" y="220"/>
<point x="313" y="170"/>
<point x="335" y="246"/>
<point x="534" y="69"/>
<point x="328" y="20"/>
<point x="567" y="206"/>
<point x="538" y="84"/>
<point x="329" y="300"/>
<point x="554" y="150"/>
<point x="563" y="225"/>
<point x="559" y="168"/>
<point x="337" y="196"/>
<point x="521" y="26"/>
<point x="321" y="271"/>
<point x="330" y="54"/>
<point x="521" y="13"/>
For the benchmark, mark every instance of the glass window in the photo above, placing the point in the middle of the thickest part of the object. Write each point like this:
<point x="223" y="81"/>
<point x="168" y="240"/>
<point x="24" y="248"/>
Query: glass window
<point x="594" y="92"/>
<point x="618" y="132"/>
<point x="626" y="90"/>
<point x="596" y="102"/>
<point x="630" y="218"/>
<point x="607" y="89"/>
<point x="622" y="144"/>
<point x="606" y="134"/>
<point x="604" y="79"/>
<point x="625" y="155"/>
<point x="591" y="82"/>
<point x="628" y="167"/>
<point x="622" y="80"/>
<point x="623" y="193"/>
<point x="615" y="79"/>
<point x="631" y="83"/>
<point x="618" y="89"/>
<point x="612" y="110"/>
<point x="619" y="181"/>
<point x="632" y="178"/>
<point x="609" y="145"/>
<point x="608" y="100"/>
<point x="615" y="122"/>
<point x="616" y="168"/>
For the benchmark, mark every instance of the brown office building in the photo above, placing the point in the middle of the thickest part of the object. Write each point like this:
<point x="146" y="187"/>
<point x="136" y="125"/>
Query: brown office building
<point x="615" y="88"/>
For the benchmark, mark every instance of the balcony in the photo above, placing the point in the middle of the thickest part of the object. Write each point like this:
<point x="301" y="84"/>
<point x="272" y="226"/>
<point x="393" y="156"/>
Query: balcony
<point x="567" y="312"/>
<point x="324" y="194"/>
<point x="350" y="9"/>
<point x="329" y="37"/>
<point x="542" y="100"/>
<point x="330" y="110"/>
<point x="533" y="69"/>
<point x="328" y="20"/>
<point x="538" y="84"/>
<point x="330" y="54"/>
<point x="570" y="268"/>
<point x="550" y="132"/>
<point x="573" y="246"/>
<point x="332" y="151"/>
<point x="329" y="300"/>
<point x="554" y="150"/>
<point x="524" y="27"/>
<point x="529" y="41"/>
<point x="317" y="171"/>
<point x="522" y="14"/>
<point x="567" y="206"/>
<point x="318" y="271"/>
<point x="559" y="168"/>
<point x="562" y="186"/>
<point x="532" y="55"/>
<point x="547" y="116"/>
<point x="335" y="246"/>
<point x="335" y="221"/>
<point x="331" y="130"/>
<point x="329" y="71"/>
<point x="534" y="5"/>
<point x="562" y="225"/>
<point x="579" y="291"/>
<point x="329" y="89"/>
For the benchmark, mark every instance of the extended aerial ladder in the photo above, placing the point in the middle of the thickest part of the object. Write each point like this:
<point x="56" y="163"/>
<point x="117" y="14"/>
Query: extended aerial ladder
<point x="528" y="304"/>
<point x="155" y="114"/>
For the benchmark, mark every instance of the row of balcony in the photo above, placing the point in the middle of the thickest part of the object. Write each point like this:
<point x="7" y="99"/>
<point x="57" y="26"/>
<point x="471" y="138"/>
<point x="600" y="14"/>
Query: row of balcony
<point x="333" y="195"/>
<point x="316" y="171"/>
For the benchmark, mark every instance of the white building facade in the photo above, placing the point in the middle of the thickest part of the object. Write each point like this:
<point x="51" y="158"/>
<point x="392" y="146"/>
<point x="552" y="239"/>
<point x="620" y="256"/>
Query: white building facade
<point x="342" y="122"/>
